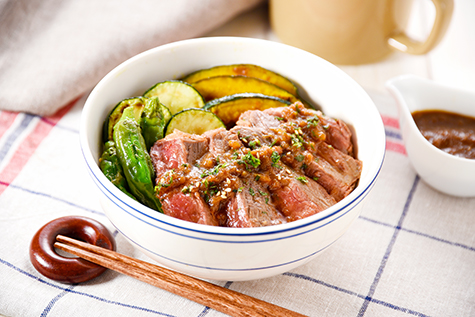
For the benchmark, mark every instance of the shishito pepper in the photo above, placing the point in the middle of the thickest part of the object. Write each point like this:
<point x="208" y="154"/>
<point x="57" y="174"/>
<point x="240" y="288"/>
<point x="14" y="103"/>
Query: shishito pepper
<point x="110" y="166"/>
<point x="154" y="118"/>
<point x="135" y="160"/>
<point x="108" y="129"/>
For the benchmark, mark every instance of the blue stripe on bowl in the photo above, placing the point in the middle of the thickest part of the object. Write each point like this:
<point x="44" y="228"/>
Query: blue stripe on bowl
<point x="228" y="269"/>
<point x="232" y="241"/>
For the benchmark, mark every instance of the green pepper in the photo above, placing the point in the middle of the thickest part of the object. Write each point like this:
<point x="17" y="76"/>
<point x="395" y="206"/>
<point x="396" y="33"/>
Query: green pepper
<point x="110" y="166"/>
<point x="153" y="122"/>
<point x="108" y="129"/>
<point x="135" y="160"/>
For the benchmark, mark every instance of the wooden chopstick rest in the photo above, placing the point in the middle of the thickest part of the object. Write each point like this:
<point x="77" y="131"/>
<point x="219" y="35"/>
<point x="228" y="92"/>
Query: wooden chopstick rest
<point x="62" y="269"/>
<point x="202" y="292"/>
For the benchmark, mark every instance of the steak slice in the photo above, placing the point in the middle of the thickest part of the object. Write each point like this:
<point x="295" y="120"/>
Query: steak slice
<point x="301" y="198"/>
<point x="253" y="137"/>
<point x="337" y="132"/>
<point x="172" y="153"/>
<point x="338" y="135"/>
<point x="252" y="207"/>
<point x="258" y="119"/>
<point x="219" y="141"/>
<point x="176" y="149"/>
<point x="189" y="207"/>
<point x="336" y="171"/>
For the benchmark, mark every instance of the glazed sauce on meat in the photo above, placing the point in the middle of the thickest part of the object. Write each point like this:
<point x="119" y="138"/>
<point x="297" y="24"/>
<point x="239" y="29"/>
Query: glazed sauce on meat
<point x="274" y="166"/>
<point x="450" y="132"/>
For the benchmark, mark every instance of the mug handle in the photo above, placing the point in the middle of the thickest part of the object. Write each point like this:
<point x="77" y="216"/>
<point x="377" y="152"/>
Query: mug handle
<point x="443" y="14"/>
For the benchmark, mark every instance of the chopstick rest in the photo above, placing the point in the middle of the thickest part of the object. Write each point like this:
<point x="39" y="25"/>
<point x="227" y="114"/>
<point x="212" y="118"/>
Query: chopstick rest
<point x="62" y="269"/>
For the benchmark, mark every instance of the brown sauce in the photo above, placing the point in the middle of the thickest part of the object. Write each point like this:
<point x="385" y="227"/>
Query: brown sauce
<point x="450" y="132"/>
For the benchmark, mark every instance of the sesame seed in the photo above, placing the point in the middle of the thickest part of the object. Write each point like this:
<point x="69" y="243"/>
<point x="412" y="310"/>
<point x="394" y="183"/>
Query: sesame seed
<point x="228" y="190"/>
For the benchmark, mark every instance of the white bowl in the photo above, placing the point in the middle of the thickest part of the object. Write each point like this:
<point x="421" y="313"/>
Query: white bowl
<point x="220" y="253"/>
<point x="445" y="172"/>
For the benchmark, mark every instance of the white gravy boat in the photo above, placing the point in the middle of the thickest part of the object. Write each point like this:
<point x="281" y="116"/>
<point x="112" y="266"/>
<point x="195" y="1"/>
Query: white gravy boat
<point x="447" y="173"/>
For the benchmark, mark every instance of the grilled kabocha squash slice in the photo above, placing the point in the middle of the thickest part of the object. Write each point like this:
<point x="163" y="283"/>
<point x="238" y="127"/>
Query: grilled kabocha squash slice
<point x="229" y="108"/>
<point x="220" y="86"/>
<point x="248" y="70"/>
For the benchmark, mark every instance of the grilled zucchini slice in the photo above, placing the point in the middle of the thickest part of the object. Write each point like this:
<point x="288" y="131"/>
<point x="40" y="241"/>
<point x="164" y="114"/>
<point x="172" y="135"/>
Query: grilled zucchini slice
<point x="229" y="108"/>
<point x="194" y="121"/>
<point x="248" y="70"/>
<point x="176" y="95"/>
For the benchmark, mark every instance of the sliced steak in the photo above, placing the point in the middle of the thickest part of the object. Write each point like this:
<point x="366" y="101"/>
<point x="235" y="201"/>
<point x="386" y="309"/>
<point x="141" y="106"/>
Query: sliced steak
<point x="189" y="207"/>
<point x="173" y="156"/>
<point x="251" y="206"/>
<point x="177" y="149"/>
<point x="272" y="167"/>
<point x="336" y="171"/>
<point x="220" y="144"/>
<point x="258" y="119"/>
<point x="305" y="145"/>
<point x="219" y="141"/>
<point x="302" y="197"/>
<point x="338" y="135"/>
<point x="336" y="131"/>
<point x="253" y="137"/>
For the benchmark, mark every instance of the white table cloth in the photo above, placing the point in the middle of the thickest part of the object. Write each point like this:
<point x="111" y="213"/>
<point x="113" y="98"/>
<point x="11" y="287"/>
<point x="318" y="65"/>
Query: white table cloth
<point x="410" y="253"/>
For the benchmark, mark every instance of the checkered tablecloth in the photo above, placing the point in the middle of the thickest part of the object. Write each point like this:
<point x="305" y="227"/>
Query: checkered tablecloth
<point x="410" y="253"/>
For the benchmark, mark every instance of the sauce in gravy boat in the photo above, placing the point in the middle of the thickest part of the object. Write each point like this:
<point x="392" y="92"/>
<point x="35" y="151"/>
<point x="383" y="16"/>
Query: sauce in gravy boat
<point x="445" y="172"/>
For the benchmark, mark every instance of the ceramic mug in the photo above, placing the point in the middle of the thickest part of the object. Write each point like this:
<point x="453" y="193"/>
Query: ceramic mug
<point x="351" y="32"/>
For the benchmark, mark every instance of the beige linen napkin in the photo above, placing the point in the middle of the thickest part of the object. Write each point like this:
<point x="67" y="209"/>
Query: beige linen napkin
<point x="52" y="51"/>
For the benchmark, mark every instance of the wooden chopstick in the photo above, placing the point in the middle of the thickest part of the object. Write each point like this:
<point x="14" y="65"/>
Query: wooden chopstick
<point x="219" y="298"/>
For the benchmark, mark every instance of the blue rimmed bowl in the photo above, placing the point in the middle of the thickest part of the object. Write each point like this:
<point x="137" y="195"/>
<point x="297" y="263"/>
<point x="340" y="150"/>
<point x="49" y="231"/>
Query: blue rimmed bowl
<point x="233" y="253"/>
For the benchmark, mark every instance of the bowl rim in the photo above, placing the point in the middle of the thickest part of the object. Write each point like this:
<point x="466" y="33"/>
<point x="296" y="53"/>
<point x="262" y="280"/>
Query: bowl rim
<point x="153" y="216"/>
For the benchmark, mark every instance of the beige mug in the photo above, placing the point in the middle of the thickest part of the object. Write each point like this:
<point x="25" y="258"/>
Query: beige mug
<point x="350" y="32"/>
